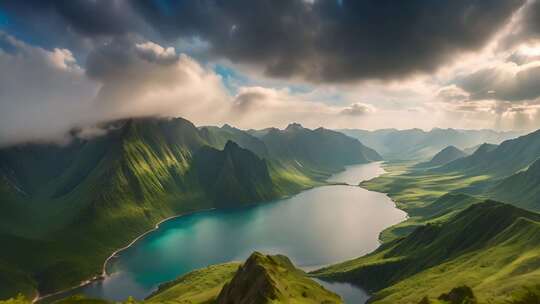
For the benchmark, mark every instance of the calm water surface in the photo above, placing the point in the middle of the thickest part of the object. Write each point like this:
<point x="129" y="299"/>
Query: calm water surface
<point x="317" y="227"/>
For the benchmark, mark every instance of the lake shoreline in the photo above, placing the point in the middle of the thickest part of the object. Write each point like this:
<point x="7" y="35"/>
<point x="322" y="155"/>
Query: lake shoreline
<point x="38" y="298"/>
<point x="103" y="274"/>
<point x="113" y="255"/>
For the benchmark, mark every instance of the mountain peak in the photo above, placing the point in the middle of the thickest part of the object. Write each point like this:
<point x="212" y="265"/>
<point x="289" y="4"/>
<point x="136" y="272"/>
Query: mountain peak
<point x="445" y="156"/>
<point x="228" y="127"/>
<point x="273" y="279"/>
<point x="294" y="126"/>
<point x="231" y="145"/>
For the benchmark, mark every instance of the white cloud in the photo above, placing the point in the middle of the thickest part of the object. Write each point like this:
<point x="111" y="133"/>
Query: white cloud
<point x="358" y="109"/>
<point x="42" y="93"/>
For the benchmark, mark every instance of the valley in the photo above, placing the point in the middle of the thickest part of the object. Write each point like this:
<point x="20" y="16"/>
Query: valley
<point x="164" y="168"/>
<point x="300" y="227"/>
<point x="112" y="188"/>
<point x="269" y="152"/>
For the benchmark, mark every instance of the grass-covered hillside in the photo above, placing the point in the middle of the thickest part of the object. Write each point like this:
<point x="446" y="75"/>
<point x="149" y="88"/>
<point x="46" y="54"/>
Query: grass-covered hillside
<point x="261" y="279"/>
<point x="65" y="209"/>
<point x="491" y="247"/>
<point x="420" y="193"/>
<point x="521" y="189"/>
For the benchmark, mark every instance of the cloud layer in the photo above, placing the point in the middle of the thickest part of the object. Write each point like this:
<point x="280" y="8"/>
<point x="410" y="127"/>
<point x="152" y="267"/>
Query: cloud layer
<point x="320" y="41"/>
<point x="255" y="64"/>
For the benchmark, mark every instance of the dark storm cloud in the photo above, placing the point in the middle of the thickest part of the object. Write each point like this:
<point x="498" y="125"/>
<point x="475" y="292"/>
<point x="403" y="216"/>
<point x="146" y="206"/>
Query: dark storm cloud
<point x="335" y="40"/>
<point x="321" y="40"/>
<point x="77" y="24"/>
<point x="87" y="17"/>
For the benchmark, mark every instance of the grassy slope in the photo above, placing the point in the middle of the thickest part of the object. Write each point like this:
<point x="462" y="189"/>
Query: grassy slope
<point x="199" y="286"/>
<point x="521" y="189"/>
<point x="492" y="247"/>
<point x="415" y="190"/>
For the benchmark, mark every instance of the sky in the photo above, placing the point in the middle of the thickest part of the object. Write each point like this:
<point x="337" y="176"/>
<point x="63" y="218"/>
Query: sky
<point x="369" y="64"/>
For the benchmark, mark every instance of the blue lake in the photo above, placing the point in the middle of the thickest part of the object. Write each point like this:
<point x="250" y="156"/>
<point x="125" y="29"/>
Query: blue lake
<point x="314" y="228"/>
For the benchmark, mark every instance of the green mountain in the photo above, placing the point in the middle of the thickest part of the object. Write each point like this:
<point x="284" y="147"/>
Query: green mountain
<point x="445" y="156"/>
<point x="506" y="159"/>
<point x="218" y="137"/>
<point x="109" y="190"/>
<point x="65" y="209"/>
<point x="233" y="176"/>
<point x="416" y="144"/>
<point x="273" y="279"/>
<point x="319" y="148"/>
<point x="492" y="247"/>
<point x="261" y="279"/>
<point x="521" y="189"/>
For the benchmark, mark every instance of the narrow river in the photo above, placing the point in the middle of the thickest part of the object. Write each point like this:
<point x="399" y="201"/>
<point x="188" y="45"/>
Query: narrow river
<point x="314" y="228"/>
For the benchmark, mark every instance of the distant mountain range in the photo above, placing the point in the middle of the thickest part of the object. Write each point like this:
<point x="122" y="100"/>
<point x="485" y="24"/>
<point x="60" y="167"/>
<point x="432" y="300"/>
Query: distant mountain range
<point x="499" y="161"/>
<point x="65" y="209"/>
<point x="416" y="144"/>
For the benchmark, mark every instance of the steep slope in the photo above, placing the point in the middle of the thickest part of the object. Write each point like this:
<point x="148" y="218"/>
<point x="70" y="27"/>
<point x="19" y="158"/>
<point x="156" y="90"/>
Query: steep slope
<point x="109" y="190"/>
<point x="492" y="247"/>
<point x="507" y="158"/>
<point x="261" y="279"/>
<point x="521" y="189"/>
<point x="233" y="176"/>
<point x="199" y="286"/>
<point x="272" y="279"/>
<point x="115" y="188"/>
<point x="416" y="144"/>
<point x="320" y="148"/>
<point x="445" y="156"/>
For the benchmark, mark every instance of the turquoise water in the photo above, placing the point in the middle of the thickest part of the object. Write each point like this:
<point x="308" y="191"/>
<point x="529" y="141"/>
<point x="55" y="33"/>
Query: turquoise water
<point x="317" y="227"/>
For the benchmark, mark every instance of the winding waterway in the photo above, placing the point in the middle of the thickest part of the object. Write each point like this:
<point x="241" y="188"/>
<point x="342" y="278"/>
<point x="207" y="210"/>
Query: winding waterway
<point x="314" y="228"/>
